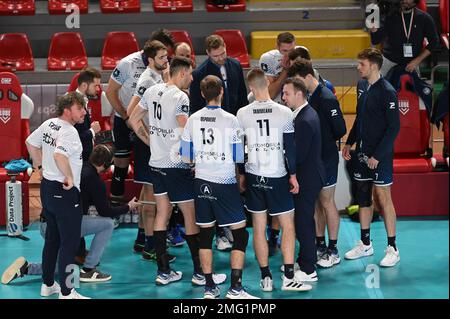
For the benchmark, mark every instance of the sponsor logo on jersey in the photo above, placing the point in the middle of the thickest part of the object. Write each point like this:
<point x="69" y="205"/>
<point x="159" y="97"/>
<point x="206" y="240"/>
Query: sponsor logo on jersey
<point x="6" y="80"/>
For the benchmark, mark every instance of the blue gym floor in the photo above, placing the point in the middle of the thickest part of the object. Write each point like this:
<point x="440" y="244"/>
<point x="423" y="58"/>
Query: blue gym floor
<point x="423" y="271"/>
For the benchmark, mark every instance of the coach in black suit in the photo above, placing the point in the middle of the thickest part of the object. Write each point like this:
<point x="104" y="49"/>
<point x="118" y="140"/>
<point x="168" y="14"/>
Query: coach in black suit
<point x="227" y="69"/>
<point x="310" y="174"/>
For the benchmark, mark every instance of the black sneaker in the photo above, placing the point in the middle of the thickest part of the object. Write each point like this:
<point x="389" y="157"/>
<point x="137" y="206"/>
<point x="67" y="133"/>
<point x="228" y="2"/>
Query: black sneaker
<point x="138" y="247"/>
<point x="151" y="255"/>
<point x="16" y="270"/>
<point x="93" y="276"/>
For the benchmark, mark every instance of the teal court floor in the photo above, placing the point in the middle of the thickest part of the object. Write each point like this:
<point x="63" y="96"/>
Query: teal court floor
<point x="423" y="271"/>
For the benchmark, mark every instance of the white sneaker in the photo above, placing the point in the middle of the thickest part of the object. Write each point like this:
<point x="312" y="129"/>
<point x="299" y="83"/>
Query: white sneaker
<point x="135" y="218"/>
<point x="294" y="285"/>
<point x="164" y="279"/>
<point x="328" y="259"/>
<point x="121" y="218"/>
<point x="223" y="243"/>
<point x="296" y="267"/>
<point x="127" y="218"/>
<point x="266" y="284"/>
<point x="304" y="277"/>
<point x="392" y="257"/>
<point x="211" y="293"/>
<point x="239" y="294"/>
<point x="47" y="291"/>
<point x="200" y="280"/>
<point x="360" y="250"/>
<point x="228" y="234"/>
<point x="73" y="295"/>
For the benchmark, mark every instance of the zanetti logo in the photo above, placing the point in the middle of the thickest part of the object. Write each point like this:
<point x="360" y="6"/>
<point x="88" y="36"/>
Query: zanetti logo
<point x="206" y="190"/>
<point x="5" y="81"/>
<point x="262" y="180"/>
<point x="403" y="106"/>
<point x="5" y="115"/>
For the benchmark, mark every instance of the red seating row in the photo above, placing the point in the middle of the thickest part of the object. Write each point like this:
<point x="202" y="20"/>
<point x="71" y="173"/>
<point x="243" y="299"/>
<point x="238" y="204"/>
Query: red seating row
<point x="27" y="7"/>
<point x="67" y="51"/>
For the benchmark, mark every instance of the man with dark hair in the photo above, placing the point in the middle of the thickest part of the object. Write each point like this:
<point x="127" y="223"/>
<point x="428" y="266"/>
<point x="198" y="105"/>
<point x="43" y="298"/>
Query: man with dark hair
<point x="269" y="178"/>
<point x="333" y="128"/>
<point x="93" y="193"/>
<point x="374" y="131"/>
<point x="56" y="147"/>
<point x="156" y="53"/>
<point x="402" y="36"/>
<point x="211" y="139"/>
<point x="164" y="36"/>
<point x="88" y="84"/>
<point x="167" y="108"/>
<point x="310" y="174"/>
<point x="225" y="68"/>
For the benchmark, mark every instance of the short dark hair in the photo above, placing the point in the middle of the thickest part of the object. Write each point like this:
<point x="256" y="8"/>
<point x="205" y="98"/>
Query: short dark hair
<point x="88" y="75"/>
<point x="67" y="100"/>
<point x="299" y="52"/>
<point x="151" y="48"/>
<point x="214" y="41"/>
<point x="298" y="85"/>
<point x="164" y="36"/>
<point x="255" y="77"/>
<point x="211" y="86"/>
<point x="102" y="155"/>
<point x="178" y="63"/>
<point x="285" y="37"/>
<point x="301" y="67"/>
<point x="373" y="55"/>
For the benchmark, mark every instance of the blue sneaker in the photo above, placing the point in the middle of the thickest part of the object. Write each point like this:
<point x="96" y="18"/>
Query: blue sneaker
<point x="166" y="278"/>
<point x="174" y="237"/>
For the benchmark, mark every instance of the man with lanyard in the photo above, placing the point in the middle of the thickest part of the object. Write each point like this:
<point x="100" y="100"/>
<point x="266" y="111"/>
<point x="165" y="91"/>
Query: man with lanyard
<point x="374" y="131"/>
<point x="57" y="147"/>
<point x="157" y="58"/>
<point x="333" y="128"/>
<point x="211" y="139"/>
<point x="402" y="37"/>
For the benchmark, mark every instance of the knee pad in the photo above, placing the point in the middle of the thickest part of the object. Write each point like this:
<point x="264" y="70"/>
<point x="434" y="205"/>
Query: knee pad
<point x="364" y="193"/>
<point x="206" y="237"/>
<point x="240" y="239"/>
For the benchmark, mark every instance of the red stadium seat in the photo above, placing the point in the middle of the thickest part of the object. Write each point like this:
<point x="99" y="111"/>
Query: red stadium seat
<point x="120" y="6"/>
<point x="239" y="6"/>
<point x="182" y="36"/>
<point x="15" y="53"/>
<point x="167" y="6"/>
<point x="59" y="6"/>
<point x="412" y="141"/>
<point x="443" y="12"/>
<point x="236" y="47"/>
<point x="117" y="46"/>
<point x="96" y="106"/>
<point x="422" y="5"/>
<point x="15" y="111"/>
<point x="17" y="7"/>
<point x="66" y="52"/>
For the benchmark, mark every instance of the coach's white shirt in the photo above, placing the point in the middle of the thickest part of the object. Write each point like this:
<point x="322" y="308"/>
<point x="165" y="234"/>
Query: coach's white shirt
<point x="58" y="136"/>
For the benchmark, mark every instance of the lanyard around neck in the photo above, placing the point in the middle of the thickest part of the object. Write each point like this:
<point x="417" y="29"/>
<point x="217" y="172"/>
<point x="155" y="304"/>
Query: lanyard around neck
<point x="408" y="32"/>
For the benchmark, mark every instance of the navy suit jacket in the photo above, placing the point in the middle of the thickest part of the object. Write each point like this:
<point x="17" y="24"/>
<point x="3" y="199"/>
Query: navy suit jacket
<point x="85" y="136"/>
<point x="308" y="143"/>
<point x="236" y="89"/>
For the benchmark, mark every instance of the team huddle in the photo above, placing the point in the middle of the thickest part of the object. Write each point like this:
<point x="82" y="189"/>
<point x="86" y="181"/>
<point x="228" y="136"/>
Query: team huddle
<point x="280" y="151"/>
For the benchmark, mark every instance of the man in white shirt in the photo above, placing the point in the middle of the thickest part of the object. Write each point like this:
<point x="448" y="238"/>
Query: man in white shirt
<point x="167" y="108"/>
<point x="56" y="147"/>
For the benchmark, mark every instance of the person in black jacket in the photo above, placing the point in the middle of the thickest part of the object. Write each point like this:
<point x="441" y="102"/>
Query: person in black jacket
<point x="402" y="37"/>
<point x="333" y="128"/>
<point x="88" y="84"/>
<point x="310" y="175"/>
<point x="227" y="69"/>
<point x="93" y="193"/>
<point x="374" y="131"/>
